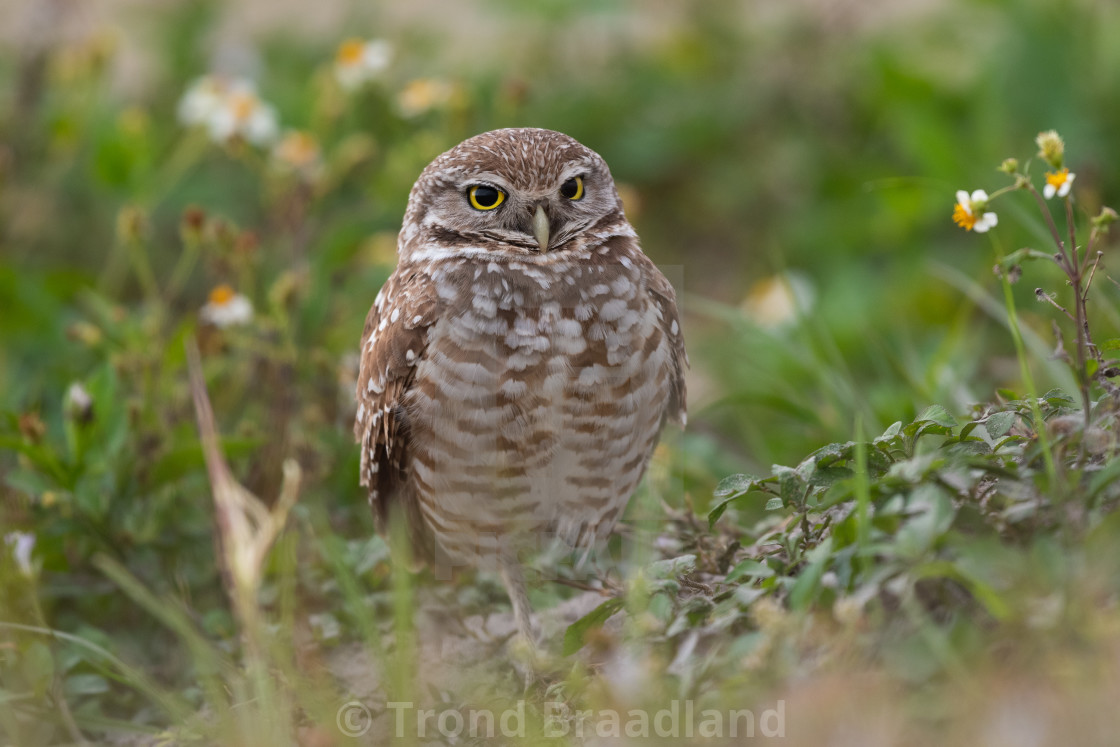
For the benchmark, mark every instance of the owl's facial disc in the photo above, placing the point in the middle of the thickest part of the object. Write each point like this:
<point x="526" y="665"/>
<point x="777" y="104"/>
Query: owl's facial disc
<point x="514" y="192"/>
<point x="538" y="214"/>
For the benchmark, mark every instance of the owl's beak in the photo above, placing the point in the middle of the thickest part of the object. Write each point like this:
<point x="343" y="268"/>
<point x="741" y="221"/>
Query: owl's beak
<point x="540" y="228"/>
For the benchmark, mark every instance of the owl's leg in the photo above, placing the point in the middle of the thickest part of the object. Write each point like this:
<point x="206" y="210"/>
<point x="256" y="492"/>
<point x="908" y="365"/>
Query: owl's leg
<point x="514" y="581"/>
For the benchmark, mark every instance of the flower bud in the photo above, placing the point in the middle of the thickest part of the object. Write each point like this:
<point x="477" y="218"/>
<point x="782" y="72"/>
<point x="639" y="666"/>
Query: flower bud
<point x="79" y="404"/>
<point x="32" y="427"/>
<point x="1104" y="218"/>
<point x="192" y="224"/>
<point x="1051" y="148"/>
<point x="286" y="289"/>
<point x="1010" y="166"/>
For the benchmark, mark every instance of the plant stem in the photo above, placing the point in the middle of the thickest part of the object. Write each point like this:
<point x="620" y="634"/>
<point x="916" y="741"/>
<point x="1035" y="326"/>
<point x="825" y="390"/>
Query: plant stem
<point x="1065" y="264"/>
<point x="863" y="496"/>
<point x="1082" y="323"/>
<point x="1028" y="382"/>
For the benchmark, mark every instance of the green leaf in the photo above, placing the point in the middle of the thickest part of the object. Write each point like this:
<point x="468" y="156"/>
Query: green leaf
<point x="86" y="684"/>
<point x="922" y="531"/>
<point x="893" y="430"/>
<point x="38" y="667"/>
<point x="830" y="454"/>
<point x="576" y="634"/>
<point x="916" y="469"/>
<point x="774" y="504"/>
<point x="967" y="429"/>
<point x="750" y="569"/>
<point x="735" y="484"/>
<point x="805" y="587"/>
<point x="735" y="487"/>
<point x="1058" y="398"/>
<point x="826" y="478"/>
<point x="672" y="567"/>
<point x="791" y="484"/>
<point x="1113" y="344"/>
<point x="998" y="424"/>
<point x="939" y="415"/>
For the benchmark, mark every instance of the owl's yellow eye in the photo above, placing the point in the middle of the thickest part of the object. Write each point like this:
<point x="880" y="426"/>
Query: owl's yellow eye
<point x="573" y="188"/>
<point x="485" y="197"/>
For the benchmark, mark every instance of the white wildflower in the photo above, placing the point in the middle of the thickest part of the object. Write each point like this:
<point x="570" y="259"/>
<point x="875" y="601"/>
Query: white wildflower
<point x="1058" y="183"/>
<point x="228" y="108"/>
<point x="357" y="62"/>
<point x="971" y="214"/>
<point x="226" y="308"/>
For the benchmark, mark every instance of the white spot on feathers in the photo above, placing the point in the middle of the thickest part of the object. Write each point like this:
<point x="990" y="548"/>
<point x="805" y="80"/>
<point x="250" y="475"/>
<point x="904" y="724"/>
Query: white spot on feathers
<point x="612" y="310"/>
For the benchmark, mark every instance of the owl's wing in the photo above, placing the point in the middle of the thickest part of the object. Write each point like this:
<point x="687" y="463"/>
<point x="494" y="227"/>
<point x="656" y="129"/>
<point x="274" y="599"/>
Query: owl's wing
<point x="665" y="301"/>
<point x="394" y="340"/>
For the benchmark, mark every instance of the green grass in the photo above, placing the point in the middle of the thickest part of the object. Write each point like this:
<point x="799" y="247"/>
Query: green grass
<point x="886" y="513"/>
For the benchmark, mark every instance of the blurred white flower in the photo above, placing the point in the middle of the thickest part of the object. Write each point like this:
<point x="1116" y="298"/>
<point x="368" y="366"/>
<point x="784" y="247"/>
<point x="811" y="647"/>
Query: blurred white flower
<point x="77" y="397"/>
<point x="1058" y="183"/>
<point x="244" y="115"/>
<point x="226" y="308"/>
<point x="423" y="94"/>
<point x="78" y="403"/>
<point x="970" y="212"/>
<point x="357" y="62"/>
<point x="228" y="108"/>
<point x="778" y="300"/>
<point x="22" y="544"/>
<point x="203" y="98"/>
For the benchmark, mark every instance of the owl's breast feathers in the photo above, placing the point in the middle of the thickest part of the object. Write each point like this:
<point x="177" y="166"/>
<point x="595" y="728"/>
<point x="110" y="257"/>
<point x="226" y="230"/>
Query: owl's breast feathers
<point x="471" y="325"/>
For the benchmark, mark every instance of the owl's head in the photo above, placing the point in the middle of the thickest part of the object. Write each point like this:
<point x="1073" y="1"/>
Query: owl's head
<point x="518" y="191"/>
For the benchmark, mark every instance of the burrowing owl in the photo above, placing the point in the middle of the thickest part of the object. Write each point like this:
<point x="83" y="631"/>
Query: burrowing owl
<point x="519" y="363"/>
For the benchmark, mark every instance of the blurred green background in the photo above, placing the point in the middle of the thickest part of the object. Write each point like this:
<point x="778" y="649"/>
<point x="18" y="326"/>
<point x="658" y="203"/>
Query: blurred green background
<point x="823" y="140"/>
<point x="792" y="164"/>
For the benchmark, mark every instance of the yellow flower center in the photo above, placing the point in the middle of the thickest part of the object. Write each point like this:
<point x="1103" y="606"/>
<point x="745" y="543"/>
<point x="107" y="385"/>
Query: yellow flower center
<point x="222" y="295"/>
<point x="350" y="52"/>
<point x="1057" y="179"/>
<point x="243" y="105"/>
<point x="963" y="218"/>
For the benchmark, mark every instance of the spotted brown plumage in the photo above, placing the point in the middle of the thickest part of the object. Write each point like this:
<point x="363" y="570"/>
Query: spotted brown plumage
<point x="518" y="365"/>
